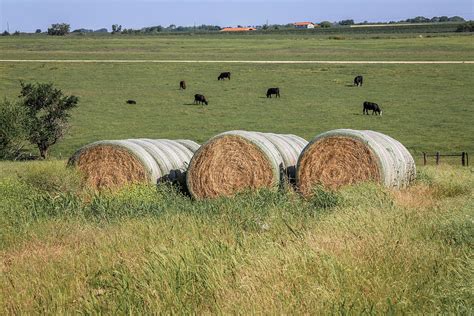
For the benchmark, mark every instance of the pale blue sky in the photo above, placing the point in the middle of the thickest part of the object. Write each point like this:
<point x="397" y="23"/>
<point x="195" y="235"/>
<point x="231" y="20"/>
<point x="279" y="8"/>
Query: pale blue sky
<point x="28" y="15"/>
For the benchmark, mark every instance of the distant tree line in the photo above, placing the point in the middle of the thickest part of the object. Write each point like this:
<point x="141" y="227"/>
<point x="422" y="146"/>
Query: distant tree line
<point x="61" y="29"/>
<point x="435" y="19"/>
<point x="169" y="29"/>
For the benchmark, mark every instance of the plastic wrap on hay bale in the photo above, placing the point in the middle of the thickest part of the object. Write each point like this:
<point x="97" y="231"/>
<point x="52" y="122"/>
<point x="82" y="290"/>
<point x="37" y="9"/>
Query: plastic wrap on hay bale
<point x="344" y="156"/>
<point x="235" y="161"/>
<point x="114" y="163"/>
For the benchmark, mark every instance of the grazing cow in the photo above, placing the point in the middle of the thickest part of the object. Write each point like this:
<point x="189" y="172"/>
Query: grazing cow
<point x="224" y="75"/>
<point x="358" y="81"/>
<point x="131" y="102"/>
<point x="182" y="85"/>
<point x="275" y="91"/>
<point x="200" y="99"/>
<point x="371" y="106"/>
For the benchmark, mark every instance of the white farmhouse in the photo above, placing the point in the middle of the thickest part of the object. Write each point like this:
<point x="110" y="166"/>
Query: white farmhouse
<point x="304" y="25"/>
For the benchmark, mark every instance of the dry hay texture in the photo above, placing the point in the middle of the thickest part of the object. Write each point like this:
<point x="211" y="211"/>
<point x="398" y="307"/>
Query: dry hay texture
<point x="114" y="163"/>
<point x="343" y="157"/>
<point x="235" y="161"/>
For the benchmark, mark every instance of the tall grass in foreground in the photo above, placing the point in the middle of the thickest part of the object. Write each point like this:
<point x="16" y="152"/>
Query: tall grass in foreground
<point x="364" y="249"/>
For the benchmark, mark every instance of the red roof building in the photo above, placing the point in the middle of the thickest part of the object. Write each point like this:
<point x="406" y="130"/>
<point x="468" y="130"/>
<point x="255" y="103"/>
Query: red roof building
<point x="304" y="25"/>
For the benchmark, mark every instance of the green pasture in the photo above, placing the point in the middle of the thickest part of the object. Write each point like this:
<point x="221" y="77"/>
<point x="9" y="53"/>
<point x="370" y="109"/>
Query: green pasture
<point x="145" y="249"/>
<point x="341" y="45"/>
<point x="426" y="107"/>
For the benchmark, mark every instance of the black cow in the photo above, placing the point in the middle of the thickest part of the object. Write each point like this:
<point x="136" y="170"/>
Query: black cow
<point x="371" y="106"/>
<point x="131" y="102"/>
<point x="200" y="99"/>
<point x="275" y="91"/>
<point x="358" y="81"/>
<point x="182" y="85"/>
<point x="224" y="75"/>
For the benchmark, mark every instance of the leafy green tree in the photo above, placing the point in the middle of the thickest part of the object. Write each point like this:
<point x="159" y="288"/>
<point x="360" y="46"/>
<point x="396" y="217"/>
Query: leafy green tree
<point x="59" y="29"/>
<point x="325" y="24"/>
<point x="47" y="114"/>
<point x="13" y="135"/>
<point x="116" y="28"/>
<point x="346" y="22"/>
<point x="5" y="33"/>
<point x="38" y="31"/>
<point x="456" y="19"/>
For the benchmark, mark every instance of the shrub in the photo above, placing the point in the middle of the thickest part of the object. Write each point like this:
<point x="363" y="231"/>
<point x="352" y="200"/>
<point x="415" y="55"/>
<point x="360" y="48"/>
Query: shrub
<point x="325" y="24"/>
<point x="47" y="112"/>
<point x="466" y="27"/>
<point x="59" y="29"/>
<point x="12" y="130"/>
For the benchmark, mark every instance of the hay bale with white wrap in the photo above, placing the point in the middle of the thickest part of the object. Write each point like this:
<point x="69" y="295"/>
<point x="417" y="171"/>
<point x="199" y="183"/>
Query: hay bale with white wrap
<point x="344" y="156"/>
<point x="239" y="160"/>
<point x="113" y="163"/>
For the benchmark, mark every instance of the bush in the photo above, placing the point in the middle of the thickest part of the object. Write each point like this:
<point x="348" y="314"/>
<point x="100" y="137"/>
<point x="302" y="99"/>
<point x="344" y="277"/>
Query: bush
<point x="466" y="27"/>
<point x="346" y="22"/>
<point x="59" y="29"/>
<point x="325" y="24"/>
<point x="12" y="130"/>
<point x="47" y="112"/>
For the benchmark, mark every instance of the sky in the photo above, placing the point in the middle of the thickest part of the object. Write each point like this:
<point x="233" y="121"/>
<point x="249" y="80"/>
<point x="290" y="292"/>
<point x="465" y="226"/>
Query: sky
<point x="29" y="15"/>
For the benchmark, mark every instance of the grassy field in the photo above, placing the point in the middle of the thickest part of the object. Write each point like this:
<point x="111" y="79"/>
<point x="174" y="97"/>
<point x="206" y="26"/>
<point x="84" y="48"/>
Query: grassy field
<point x="365" y="249"/>
<point x="426" y="107"/>
<point x="260" y="46"/>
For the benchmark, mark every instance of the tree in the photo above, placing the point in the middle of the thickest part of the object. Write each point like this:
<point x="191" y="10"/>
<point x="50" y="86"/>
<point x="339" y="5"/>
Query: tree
<point x="466" y="27"/>
<point x="38" y="31"/>
<point x="116" y="28"/>
<point x="5" y="33"/>
<point x="59" y="29"/>
<point x="325" y="24"/>
<point x="13" y="135"/>
<point x="47" y="114"/>
<point x="346" y="22"/>
<point x="456" y="19"/>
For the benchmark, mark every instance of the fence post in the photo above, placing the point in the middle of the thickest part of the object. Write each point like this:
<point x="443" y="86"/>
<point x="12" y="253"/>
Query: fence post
<point x="437" y="157"/>
<point x="424" y="159"/>
<point x="463" y="158"/>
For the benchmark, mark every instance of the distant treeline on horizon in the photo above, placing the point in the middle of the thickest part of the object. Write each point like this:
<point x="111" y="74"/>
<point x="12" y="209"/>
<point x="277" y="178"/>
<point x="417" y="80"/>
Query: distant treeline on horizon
<point x="117" y="29"/>
<point x="207" y="28"/>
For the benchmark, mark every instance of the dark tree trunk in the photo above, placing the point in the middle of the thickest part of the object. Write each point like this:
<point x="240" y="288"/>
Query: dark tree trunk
<point x="43" y="151"/>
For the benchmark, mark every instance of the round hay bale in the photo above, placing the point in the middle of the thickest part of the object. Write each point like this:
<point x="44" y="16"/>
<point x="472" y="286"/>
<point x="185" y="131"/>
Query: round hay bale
<point x="239" y="160"/>
<point x="344" y="156"/>
<point x="114" y="163"/>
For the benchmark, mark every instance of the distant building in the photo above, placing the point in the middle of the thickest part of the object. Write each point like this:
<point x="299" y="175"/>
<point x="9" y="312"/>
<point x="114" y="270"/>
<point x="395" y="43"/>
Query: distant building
<point x="238" y="29"/>
<point x="304" y="25"/>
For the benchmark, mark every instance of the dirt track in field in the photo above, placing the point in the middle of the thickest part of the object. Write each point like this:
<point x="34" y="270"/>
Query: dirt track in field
<point x="238" y="61"/>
